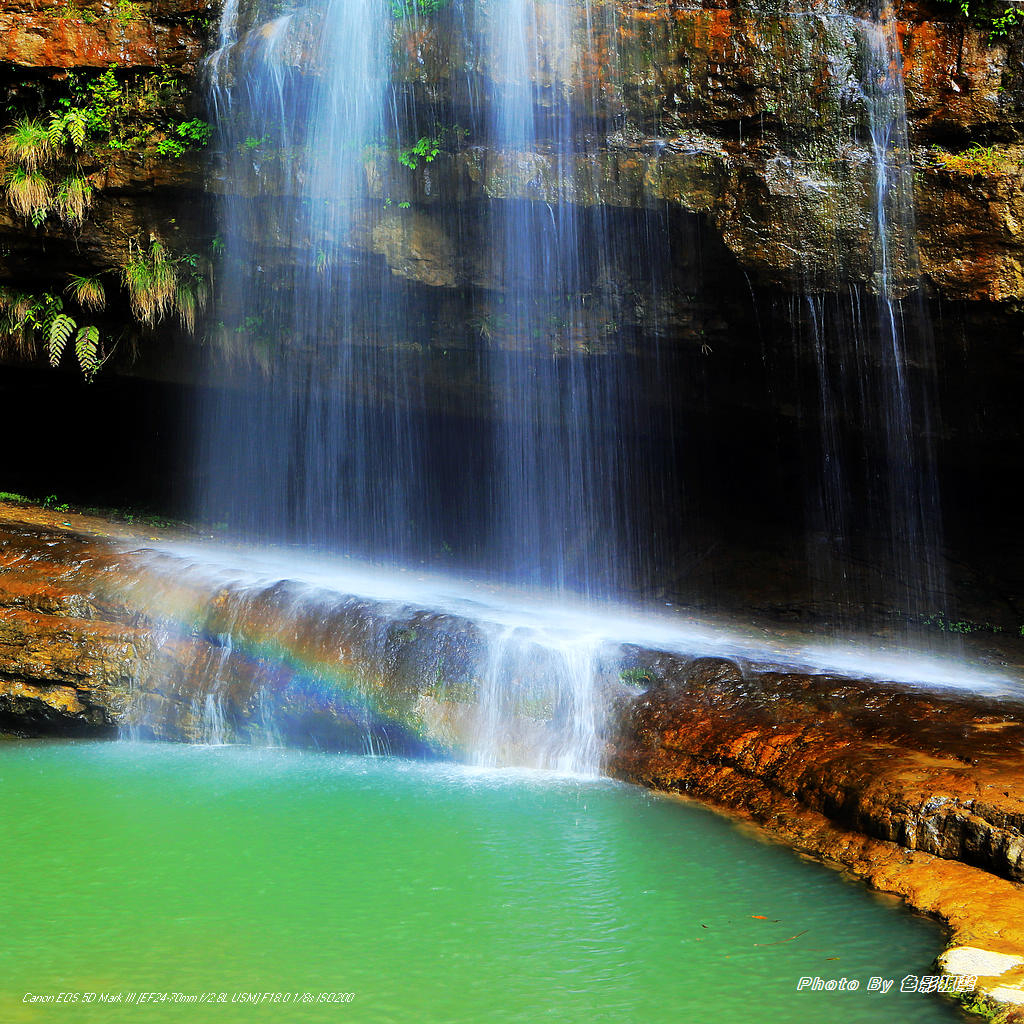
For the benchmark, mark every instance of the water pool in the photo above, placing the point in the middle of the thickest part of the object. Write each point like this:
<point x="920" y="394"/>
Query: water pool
<point x="432" y="892"/>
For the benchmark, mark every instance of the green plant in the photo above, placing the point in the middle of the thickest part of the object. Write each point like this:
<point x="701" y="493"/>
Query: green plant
<point x="25" y="318"/>
<point x="128" y="111"/>
<point x="72" y="12"/>
<point x="69" y="125"/>
<point x="161" y="283"/>
<point x="29" y="193"/>
<point x="18" y="319"/>
<point x="150" y="278"/>
<point x="28" y="144"/>
<point x="187" y="134"/>
<point x="88" y="292"/>
<point x="997" y="17"/>
<point x="87" y="347"/>
<point x="72" y="199"/>
<point x="425" y="148"/>
<point x="126" y="11"/>
<point x="58" y="328"/>
<point x="411" y="8"/>
<point x="976" y="161"/>
<point x="637" y="676"/>
<point x="31" y="146"/>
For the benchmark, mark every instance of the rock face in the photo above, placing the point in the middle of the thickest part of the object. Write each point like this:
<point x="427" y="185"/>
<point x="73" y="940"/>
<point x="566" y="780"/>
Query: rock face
<point x="759" y="125"/>
<point x="924" y="773"/>
<point x="105" y="636"/>
<point x="80" y="654"/>
<point x="759" y="122"/>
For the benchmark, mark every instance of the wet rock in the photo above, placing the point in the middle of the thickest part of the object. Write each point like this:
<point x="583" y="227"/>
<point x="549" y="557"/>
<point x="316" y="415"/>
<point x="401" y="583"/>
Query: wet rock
<point x="417" y="247"/>
<point x="915" y="770"/>
<point x="756" y="120"/>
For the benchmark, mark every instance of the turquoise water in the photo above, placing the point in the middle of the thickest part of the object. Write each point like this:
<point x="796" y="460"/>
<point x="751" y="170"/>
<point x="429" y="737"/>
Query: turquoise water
<point x="431" y="892"/>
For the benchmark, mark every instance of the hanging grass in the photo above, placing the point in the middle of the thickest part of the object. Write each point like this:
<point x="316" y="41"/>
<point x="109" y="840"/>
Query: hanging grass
<point x="88" y="292"/>
<point x="72" y="199"/>
<point x="190" y="300"/>
<point x="28" y="144"/>
<point x="151" y="280"/>
<point x="186" y="305"/>
<point x="29" y="193"/>
<point x="16" y="333"/>
<point x="165" y="277"/>
<point x="161" y="283"/>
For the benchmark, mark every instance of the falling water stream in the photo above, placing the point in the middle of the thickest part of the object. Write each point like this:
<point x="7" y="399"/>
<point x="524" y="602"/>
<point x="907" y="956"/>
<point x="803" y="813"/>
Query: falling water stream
<point x="334" y="164"/>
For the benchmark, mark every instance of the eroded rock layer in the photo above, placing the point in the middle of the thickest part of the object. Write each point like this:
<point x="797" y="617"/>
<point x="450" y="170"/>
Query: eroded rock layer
<point x="752" y="120"/>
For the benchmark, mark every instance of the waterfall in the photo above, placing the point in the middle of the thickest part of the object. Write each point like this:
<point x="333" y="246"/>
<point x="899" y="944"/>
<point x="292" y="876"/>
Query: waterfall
<point x="564" y="389"/>
<point x="460" y="289"/>
<point x="910" y="490"/>
<point x="298" y="444"/>
<point x="875" y="504"/>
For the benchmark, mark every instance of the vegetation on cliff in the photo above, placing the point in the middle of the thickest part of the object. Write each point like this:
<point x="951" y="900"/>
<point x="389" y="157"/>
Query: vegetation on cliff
<point x="97" y="119"/>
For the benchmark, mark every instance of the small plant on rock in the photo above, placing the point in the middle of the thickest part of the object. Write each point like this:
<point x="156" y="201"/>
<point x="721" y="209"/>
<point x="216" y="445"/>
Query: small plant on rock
<point x="161" y="283"/>
<point x="28" y="144"/>
<point x="88" y="292"/>
<point x="72" y="199"/>
<point x="29" y="193"/>
<point x="27" y="319"/>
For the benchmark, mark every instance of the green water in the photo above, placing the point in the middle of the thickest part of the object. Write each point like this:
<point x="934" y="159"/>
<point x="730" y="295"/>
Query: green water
<point x="434" y="893"/>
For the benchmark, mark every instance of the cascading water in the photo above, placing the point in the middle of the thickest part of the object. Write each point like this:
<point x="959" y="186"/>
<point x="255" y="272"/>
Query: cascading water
<point x="303" y="448"/>
<point x="564" y="391"/>
<point x="436" y="346"/>
<point x="875" y="500"/>
<point x="910" y="488"/>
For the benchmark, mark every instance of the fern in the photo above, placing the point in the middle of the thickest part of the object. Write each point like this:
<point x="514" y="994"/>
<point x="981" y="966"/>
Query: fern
<point x="69" y="126"/>
<point x="24" y="316"/>
<point x="75" y="125"/>
<point x="87" y="343"/>
<point x="60" y="331"/>
<point x="44" y="311"/>
<point x="55" y="130"/>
